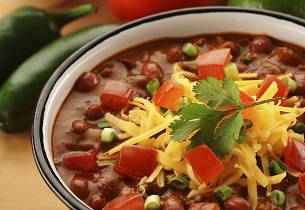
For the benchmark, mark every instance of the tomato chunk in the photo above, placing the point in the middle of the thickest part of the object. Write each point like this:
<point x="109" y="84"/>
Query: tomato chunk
<point x="137" y="161"/>
<point x="212" y="63"/>
<point x="132" y="201"/>
<point x="168" y="95"/>
<point x="115" y="95"/>
<point x="81" y="161"/>
<point x="283" y="88"/>
<point x="301" y="183"/>
<point x="245" y="99"/>
<point x="204" y="163"/>
<point x="294" y="154"/>
<point x="204" y="206"/>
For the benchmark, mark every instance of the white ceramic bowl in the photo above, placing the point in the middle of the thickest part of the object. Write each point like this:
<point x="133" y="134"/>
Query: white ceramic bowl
<point x="177" y="23"/>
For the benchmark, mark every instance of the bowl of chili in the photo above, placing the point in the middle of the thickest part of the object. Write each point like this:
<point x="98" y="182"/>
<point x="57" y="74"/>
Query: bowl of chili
<point x="94" y="155"/>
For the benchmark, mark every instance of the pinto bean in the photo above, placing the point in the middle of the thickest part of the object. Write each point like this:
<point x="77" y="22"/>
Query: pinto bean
<point x="97" y="201"/>
<point x="219" y="40"/>
<point x="261" y="44"/>
<point x="87" y="82"/>
<point x="94" y="112"/>
<point x="79" y="126"/>
<point x="287" y="56"/>
<point x="237" y="203"/>
<point x="174" y="54"/>
<point x="204" y="206"/>
<point x="152" y="70"/>
<point x="201" y="41"/>
<point x="79" y="186"/>
<point x="234" y="47"/>
<point x="172" y="202"/>
<point x="300" y="80"/>
<point x="264" y="205"/>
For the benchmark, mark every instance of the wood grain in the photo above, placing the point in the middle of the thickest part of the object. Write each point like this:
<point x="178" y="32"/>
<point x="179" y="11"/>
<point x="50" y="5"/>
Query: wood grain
<point x="21" y="186"/>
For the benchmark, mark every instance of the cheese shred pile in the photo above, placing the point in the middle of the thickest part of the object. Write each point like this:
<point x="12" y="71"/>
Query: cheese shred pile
<point x="145" y="125"/>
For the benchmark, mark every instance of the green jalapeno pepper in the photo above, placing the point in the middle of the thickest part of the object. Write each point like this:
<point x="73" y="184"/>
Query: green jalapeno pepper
<point x="28" y="29"/>
<point x="19" y="93"/>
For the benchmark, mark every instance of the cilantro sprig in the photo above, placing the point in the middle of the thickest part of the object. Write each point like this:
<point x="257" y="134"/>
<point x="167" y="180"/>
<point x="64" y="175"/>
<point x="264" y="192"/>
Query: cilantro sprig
<point x="218" y="124"/>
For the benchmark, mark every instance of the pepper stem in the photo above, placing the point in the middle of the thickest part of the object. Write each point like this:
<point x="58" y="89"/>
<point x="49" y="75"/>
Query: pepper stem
<point x="62" y="18"/>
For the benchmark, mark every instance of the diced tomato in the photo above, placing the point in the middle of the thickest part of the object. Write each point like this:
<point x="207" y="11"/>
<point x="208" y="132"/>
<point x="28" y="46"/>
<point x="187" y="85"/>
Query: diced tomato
<point x="301" y="182"/>
<point x="168" y="95"/>
<point x="246" y="99"/>
<point x="115" y="95"/>
<point x="212" y="63"/>
<point x="204" y="163"/>
<point x="81" y="161"/>
<point x="137" y="161"/>
<point x="294" y="154"/>
<point x="283" y="88"/>
<point x="132" y="201"/>
<point x="204" y="206"/>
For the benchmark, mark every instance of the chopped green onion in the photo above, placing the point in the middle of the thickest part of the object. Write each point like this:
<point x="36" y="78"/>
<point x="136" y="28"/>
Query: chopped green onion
<point x="152" y="202"/>
<point x="152" y="86"/>
<point x="163" y="110"/>
<point x="247" y="59"/>
<point x="299" y="128"/>
<point x="107" y="135"/>
<point x="179" y="182"/>
<point x="277" y="167"/>
<point x="291" y="83"/>
<point x="278" y="198"/>
<point x="102" y="124"/>
<point x="231" y="71"/>
<point x="189" y="49"/>
<point x="222" y="192"/>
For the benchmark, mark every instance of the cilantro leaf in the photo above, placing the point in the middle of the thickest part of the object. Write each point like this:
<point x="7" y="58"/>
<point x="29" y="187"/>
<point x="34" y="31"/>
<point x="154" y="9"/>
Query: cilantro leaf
<point x="218" y="95"/>
<point x="226" y="135"/>
<point x="192" y="118"/>
<point x="220" y="130"/>
<point x="181" y="129"/>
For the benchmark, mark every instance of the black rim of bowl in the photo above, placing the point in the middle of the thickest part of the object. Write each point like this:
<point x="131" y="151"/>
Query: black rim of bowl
<point x="39" y="153"/>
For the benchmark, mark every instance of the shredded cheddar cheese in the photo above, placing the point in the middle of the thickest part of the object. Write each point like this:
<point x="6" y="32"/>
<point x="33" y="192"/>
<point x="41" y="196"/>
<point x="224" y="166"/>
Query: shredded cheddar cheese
<point x="145" y="125"/>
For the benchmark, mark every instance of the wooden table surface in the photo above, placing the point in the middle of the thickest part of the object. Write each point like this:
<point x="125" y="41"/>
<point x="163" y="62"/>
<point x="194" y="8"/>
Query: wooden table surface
<point x="21" y="186"/>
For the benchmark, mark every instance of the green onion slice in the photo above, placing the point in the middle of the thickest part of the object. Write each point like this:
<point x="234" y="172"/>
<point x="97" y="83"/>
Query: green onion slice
<point x="152" y="202"/>
<point x="231" y="71"/>
<point x="102" y="124"/>
<point x="107" y="135"/>
<point x="222" y="192"/>
<point x="299" y="128"/>
<point x="179" y="182"/>
<point x="277" y="167"/>
<point x="278" y="198"/>
<point x="152" y="86"/>
<point x="189" y="50"/>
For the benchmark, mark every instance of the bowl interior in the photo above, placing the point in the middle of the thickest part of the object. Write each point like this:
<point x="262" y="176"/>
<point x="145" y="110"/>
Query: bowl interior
<point x="188" y="23"/>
